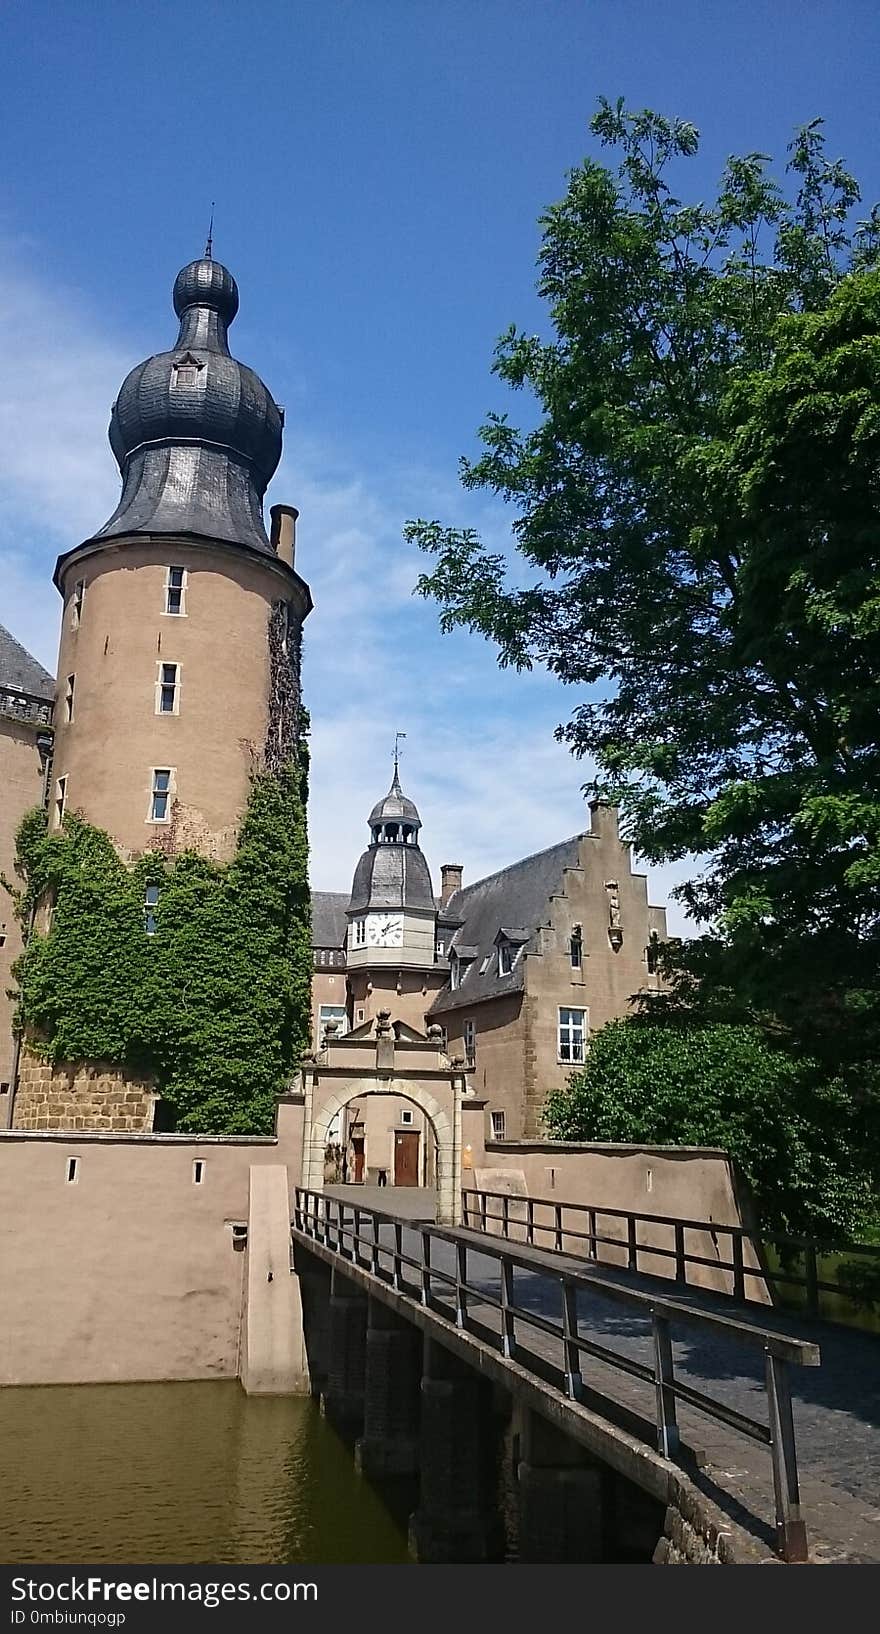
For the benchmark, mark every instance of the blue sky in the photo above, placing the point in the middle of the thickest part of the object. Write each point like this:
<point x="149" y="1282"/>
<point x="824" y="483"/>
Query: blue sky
<point x="378" y="168"/>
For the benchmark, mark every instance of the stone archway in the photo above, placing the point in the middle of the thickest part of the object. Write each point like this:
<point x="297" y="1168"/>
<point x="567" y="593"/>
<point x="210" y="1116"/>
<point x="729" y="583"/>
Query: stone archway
<point x="368" y="1063"/>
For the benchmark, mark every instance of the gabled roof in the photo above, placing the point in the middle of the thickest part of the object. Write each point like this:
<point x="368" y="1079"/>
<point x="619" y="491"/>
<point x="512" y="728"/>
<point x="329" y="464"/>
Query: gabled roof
<point x="329" y="923"/>
<point x="18" y="670"/>
<point x="518" y="896"/>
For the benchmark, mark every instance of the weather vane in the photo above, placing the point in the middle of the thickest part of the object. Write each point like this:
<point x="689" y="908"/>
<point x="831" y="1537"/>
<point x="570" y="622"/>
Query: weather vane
<point x="209" y="246"/>
<point x="397" y="738"/>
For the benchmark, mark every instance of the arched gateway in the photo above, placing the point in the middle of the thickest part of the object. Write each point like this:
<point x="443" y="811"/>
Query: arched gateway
<point x="376" y="1060"/>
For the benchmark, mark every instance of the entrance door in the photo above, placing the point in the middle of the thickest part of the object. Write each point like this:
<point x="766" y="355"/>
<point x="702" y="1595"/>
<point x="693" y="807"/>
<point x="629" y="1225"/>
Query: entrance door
<point x="406" y="1158"/>
<point x="358" y="1161"/>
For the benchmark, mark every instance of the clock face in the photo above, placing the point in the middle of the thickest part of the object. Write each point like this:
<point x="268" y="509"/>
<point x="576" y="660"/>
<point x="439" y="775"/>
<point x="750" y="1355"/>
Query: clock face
<point x="385" y="930"/>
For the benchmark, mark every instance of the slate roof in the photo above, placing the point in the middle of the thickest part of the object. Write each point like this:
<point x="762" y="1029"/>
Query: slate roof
<point x="19" y="671"/>
<point x="392" y="876"/>
<point x="329" y="923"/>
<point x="516" y="896"/>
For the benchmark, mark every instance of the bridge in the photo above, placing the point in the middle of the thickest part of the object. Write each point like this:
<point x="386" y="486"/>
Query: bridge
<point x="631" y="1414"/>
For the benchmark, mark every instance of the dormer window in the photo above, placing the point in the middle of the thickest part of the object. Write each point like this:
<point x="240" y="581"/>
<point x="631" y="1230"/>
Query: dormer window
<point x="453" y="971"/>
<point x="506" y="957"/>
<point x="186" y="372"/>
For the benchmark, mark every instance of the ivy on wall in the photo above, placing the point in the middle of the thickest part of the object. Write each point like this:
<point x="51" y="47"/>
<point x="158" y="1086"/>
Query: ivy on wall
<point x="216" y="1004"/>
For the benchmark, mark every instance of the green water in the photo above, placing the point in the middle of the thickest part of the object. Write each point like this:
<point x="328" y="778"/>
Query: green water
<point x="184" y="1474"/>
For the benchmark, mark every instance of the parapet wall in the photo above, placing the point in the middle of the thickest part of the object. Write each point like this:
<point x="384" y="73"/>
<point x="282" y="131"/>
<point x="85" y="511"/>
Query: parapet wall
<point x="118" y="1258"/>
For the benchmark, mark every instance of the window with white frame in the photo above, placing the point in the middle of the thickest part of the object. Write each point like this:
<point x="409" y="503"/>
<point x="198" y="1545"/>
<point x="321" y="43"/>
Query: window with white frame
<point x="453" y="970"/>
<point x="507" y="956"/>
<point x="60" y="800"/>
<point x="573" y="1028"/>
<point x="441" y="949"/>
<point x="359" y="933"/>
<point x="76" y="602"/>
<point x="160" y="796"/>
<point x="406" y="1114"/>
<point x="469" y="1034"/>
<point x="151" y="902"/>
<point x="332" y="1012"/>
<point x="68" y="697"/>
<point x="168" y="690"/>
<point x="497" y="1120"/>
<point x="175" y="591"/>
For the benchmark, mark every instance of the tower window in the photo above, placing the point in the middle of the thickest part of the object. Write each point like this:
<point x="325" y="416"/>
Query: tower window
<point x="359" y="933"/>
<point x="68" y="697"/>
<point x="151" y="902"/>
<point x="160" y="796"/>
<point x="497" y="1125"/>
<point x="60" y="800"/>
<point x="76" y="602"/>
<point x="168" y="690"/>
<point x="576" y="948"/>
<point x="175" y="591"/>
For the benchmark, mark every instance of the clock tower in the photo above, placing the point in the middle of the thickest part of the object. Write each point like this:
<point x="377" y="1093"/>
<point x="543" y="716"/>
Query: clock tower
<point x="391" y="946"/>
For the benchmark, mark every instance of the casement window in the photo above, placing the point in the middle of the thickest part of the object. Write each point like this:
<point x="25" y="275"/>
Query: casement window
<point x="332" y="1012"/>
<point x="441" y="949"/>
<point x="497" y="1120"/>
<point x="151" y="902"/>
<point x="76" y="602"/>
<point x="359" y="933"/>
<point x="453" y="970"/>
<point x="576" y="948"/>
<point x="175" y="591"/>
<point x="68" y="697"/>
<point x="507" y="956"/>
<point x="470" y="1042"/>
<point x="168" y="690"/>
<point x="573" y="1028"/>
<point x="60" y="800"/>
<point x="160" y="796"/>
<point x="652" y="952"/>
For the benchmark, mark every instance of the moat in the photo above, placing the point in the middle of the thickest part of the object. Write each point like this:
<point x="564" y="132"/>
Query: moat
<point x="184" y="1474"/>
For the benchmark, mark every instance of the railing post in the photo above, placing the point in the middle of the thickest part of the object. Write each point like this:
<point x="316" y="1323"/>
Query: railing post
<point x="739" y="1275"/>
<point x="569" y="1335"/>
<point x="460" y="1289"/>
<point x="530" y="1220"/>
<point x="505" y="1216"/>
<point x="356" y="1236"/>
<point x="593" y="1246"/>
<point x="790" y="1527"/>
<point x="811" y="1269"/>
<point x="632" y="1244"/>
<point x="374" y="1247"/>
<point x="508" y="1338"/>
<point x="398" y="1250"/>
<point x="557" y="1211"/>
<point x="664" y="1377"/>
<point x="680" y="1261"/>
<point x="483" y="1201"/>
<point x="426" y="1266"/>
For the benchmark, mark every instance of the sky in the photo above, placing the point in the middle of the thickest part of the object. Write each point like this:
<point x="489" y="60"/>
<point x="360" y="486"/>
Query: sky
<point x="379" y="168"/>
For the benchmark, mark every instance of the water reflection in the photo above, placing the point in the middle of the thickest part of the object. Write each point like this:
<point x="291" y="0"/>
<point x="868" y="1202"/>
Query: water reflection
<point x="181" y="1473"/>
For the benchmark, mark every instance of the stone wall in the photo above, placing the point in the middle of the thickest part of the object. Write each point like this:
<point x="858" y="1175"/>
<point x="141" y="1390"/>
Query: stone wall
<point x="695" y="1533"/>
<point x="78" y="1095"/>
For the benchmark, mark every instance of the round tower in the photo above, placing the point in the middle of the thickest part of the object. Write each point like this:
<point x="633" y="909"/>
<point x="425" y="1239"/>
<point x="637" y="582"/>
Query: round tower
<point x="180" y="645"/>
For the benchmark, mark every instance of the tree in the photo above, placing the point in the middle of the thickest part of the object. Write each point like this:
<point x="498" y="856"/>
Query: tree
<point x="697" y="526"/>
<point x="792" y="1133"/>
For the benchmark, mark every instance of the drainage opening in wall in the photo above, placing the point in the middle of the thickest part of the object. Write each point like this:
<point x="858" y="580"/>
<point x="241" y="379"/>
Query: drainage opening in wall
<point x="72" y="1170"/>
<point x="198" y="1171"/>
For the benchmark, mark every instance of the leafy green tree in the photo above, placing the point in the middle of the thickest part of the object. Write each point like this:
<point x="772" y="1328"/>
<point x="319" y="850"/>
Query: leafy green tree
<point x="792" y="1133"/>
<point x="698" y="539"/>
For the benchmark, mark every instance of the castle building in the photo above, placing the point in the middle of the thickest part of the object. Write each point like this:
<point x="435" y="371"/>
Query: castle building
<point x="516" y="969"/>
<point x="179" y="665"/>
<point x="26" y="693"/>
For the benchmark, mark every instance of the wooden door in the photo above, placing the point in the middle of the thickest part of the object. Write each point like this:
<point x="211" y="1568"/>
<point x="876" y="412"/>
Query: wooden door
<point x="358" y="1162"/>
<point x="406" y="1157"/>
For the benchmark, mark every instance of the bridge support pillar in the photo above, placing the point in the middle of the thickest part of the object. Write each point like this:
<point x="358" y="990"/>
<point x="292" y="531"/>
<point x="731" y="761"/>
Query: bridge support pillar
<point x="342" y="1401"/>
<point x="561" y="1496"/>
<point x="457" y="1520"/>
<point x="393" y="1371"/>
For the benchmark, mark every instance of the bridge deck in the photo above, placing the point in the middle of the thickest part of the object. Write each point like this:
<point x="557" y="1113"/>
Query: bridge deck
<point x="836" y="1406"/>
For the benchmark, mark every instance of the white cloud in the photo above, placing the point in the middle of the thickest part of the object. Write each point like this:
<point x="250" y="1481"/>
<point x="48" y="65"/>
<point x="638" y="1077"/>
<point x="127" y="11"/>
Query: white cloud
<point x="481" y="761"/>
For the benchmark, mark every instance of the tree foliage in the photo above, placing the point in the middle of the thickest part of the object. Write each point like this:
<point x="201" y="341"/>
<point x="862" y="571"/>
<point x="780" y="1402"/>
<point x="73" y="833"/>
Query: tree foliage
<point x="792" y="1132"/>
<point x="697" y="520"/>
<point x="216" y="1005"/>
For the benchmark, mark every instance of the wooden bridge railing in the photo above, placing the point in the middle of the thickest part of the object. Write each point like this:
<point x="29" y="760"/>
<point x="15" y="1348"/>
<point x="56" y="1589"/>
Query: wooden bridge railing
<point x="401" y="1255"/>
<point x="584" y="1228"/>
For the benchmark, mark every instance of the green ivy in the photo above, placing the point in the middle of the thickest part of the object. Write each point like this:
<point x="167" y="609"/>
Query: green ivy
<point x="216" y="1005"/>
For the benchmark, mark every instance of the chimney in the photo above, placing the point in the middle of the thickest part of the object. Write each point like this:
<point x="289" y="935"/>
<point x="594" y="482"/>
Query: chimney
<point x="283" y="535"/>
<point x="603" y="820"/>
<point x="450" y="880"/>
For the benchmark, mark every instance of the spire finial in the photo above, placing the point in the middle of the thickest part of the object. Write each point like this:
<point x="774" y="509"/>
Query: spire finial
<point x="397" y="738"/>
<point x="209" y="245"/>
